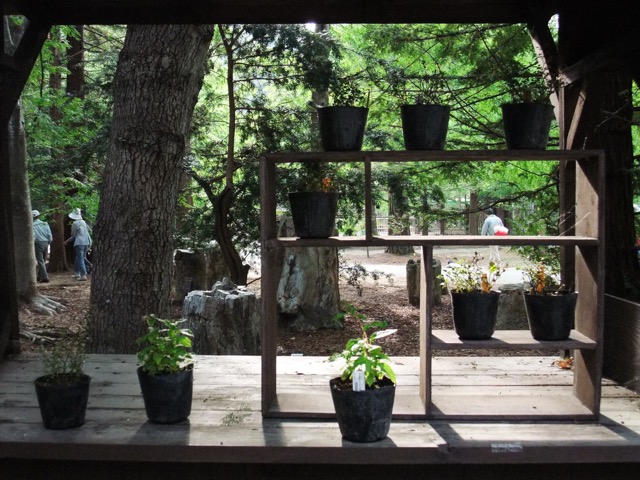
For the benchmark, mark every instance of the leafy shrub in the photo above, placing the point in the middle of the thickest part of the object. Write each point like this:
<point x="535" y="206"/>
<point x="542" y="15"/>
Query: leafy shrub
<point x="362" y="353"/>
<point x="166" y="347"/>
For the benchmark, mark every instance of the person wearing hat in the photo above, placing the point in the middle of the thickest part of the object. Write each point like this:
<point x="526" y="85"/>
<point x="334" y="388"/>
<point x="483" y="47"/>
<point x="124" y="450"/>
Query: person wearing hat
<point x="42" y="238"/>
<point x="81" y="239"/>
<point x="488" y="227"/>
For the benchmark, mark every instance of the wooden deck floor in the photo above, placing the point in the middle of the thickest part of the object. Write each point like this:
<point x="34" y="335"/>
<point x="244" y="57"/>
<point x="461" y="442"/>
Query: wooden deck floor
<point x="227" y="428"/>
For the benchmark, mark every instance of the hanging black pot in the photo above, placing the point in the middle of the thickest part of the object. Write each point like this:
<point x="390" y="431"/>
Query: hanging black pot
<point x="363" y="416"/>
<point x="550" y="316"/>
<point x="314" y="213"/>
<point x="527" y="125"/>
<point x="62" y="406"/>
<point x="424" y="127"/>
<point x="475" y="314"/>
<point x="342" y="128"/>
<point x="167" y="397"/>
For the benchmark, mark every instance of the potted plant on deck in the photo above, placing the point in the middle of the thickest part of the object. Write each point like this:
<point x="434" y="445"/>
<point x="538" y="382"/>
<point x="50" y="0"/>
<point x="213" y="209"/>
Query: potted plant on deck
<point x="63" y="390"/>
<point x="342" y="124"/>
<point x="364" y="393"/>
<point x="550" y="306"/>
<point x="166" y="370"/>
<point x="527" y="118"/>
<point x="473" y="300"/>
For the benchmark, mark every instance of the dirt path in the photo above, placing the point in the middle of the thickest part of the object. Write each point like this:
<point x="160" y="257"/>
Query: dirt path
<point x="384" y="300"/>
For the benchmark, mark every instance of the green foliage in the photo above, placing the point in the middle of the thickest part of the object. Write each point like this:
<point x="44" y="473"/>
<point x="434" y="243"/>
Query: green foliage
<point x="348" y="92"/>
<point x="414" y="85"/>
<point x="362" y="353"/>
<point x="63" y="362"/>
<point x="165" y="347"/>
<point x="67" y="131"/>
<point x="468" y="276"/>
<point x="543" y="279"/>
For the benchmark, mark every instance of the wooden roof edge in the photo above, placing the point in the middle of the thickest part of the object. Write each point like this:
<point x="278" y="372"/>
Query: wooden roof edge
<point x="72" y="12"/>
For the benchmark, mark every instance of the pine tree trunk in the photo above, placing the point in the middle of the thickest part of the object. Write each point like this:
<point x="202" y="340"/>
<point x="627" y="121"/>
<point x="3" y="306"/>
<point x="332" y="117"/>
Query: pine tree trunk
<point x="159" y="75"/>
<point x="25" y="258"/>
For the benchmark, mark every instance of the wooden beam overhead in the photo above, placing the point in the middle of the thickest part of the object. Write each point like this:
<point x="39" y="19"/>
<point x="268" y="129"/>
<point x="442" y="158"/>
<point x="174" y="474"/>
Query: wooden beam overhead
<point x="67" y="12"/>
<point x="17" y="67"/>
<point x="620" y="53"/>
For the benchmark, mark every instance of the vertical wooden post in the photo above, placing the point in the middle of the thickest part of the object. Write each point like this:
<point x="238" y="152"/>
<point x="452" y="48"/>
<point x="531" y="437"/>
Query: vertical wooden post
<point x="368" y="205"/>
<point x="426" y="287"/>
<point x="269" y="282"/>
<point x="590" y="280"/>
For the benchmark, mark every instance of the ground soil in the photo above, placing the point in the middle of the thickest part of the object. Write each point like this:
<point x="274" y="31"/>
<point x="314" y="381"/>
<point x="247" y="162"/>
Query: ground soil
<point x="384" y="299"/>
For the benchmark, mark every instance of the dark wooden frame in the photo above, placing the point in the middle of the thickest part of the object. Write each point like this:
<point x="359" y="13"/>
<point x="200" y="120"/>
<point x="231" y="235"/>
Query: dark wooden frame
<point x="586" y="340"/>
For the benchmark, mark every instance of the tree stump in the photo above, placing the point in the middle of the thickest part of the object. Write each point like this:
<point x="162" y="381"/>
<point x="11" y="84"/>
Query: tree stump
<point x="189" y="273"/>
<point x="224" y="320"/>
<point x="308" y="292"/>
<point x="413" y="282"/>
<point x="197" y="270"/>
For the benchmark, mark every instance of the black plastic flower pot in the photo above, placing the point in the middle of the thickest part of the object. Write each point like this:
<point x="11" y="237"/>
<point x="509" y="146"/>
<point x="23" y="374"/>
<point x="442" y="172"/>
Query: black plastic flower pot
<point x="363" y="416"/>
<point x="62" y="406"/>
<point x="167" y="397"/>
<point x="550" y="316"/>
<point x="527" y="125"/>
<point x="475" y="314"/>
<point x="424" y="127"/>
<point x="314" y="213"/>
<point x="342" y="128"/>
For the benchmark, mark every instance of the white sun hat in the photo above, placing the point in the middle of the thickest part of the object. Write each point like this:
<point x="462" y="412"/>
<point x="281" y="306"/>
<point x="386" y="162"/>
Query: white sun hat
<point x="35" y="213"/>
<point x="75" y="215"/>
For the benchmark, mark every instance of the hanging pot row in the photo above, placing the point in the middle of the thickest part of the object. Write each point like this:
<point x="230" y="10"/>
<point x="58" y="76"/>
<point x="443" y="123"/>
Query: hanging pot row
<point x="425" y="127"/>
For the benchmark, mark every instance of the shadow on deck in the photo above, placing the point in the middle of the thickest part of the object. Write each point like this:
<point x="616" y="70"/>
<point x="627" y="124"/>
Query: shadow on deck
<point x="226" y="436"/>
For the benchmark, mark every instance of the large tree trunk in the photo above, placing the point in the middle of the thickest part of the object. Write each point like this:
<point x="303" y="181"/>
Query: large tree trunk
<point x="24" y="252"/>
<point x="605" y="124"/>
<point x="159" y="75"/>
<point x="612" y="133"/>
<point x="25" y="258"/>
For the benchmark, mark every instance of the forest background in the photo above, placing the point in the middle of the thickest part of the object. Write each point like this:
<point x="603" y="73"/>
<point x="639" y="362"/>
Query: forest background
<point x="253" y="90"/>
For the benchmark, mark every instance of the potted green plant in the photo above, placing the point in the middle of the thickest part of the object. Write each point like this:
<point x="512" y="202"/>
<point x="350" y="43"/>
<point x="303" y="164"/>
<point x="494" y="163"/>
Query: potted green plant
<point x="527" y="118"/>
<point x="363" y="394"/>
<point x="342" y="124"/>
<point x="549" y="305"/>
<point x="314" y="205"/>
<point x="474" y="302"/>
<point x="165" y="372"/>
<point x="63" y="390"/>
<point x="425" y="117"/>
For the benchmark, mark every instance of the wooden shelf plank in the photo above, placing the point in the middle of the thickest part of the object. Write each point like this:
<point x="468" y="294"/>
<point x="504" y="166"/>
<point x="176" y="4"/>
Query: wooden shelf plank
<point x="517" y="406"/>
<point x="509" y="340"/>
<point x="433" y="240"/>
<point x="504" y="402"/>
<point x="434" y="155"/>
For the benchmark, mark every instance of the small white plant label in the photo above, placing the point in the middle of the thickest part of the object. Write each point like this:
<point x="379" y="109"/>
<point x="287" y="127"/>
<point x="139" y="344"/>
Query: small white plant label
<point x="358" y="381"/>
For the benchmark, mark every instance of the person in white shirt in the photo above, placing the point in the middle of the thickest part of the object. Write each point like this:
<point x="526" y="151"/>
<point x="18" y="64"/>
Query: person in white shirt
<point x="488" y="227"/>
<point x="42" y="238"/>
<point x="81" y="239"/>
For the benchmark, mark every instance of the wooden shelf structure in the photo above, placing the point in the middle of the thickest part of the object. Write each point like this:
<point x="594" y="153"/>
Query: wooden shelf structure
<point x="420" y="401"/>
